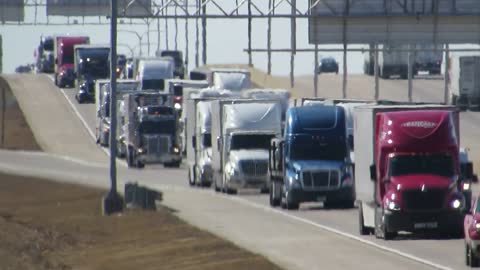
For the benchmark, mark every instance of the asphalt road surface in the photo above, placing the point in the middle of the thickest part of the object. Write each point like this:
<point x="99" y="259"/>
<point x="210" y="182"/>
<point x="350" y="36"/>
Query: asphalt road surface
<point x="311" y="238"/>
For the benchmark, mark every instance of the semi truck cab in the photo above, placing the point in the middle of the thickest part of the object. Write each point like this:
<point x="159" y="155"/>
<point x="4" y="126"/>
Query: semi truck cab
<point x="315" y="159"/>
<point x="416" y="173"/>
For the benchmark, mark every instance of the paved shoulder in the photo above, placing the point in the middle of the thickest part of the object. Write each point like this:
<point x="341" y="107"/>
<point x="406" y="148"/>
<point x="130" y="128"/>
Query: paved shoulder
<point x="51" y="119"/>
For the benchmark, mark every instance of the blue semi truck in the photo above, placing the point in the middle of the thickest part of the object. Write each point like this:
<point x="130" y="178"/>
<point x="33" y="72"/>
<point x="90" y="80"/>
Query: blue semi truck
<point x="311" y="163"/>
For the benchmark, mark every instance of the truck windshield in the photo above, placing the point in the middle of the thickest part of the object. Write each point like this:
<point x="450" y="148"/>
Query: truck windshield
<point x="439" y="164"/>
<point x="318" y="151"/>
<point x="250" y="141"/>
<point x="207" y="140"/>
<point x="67" y="58"/>
<point x="96" y="67"/>
<point x="157" y="127"/>
<point x="153" y="84"/>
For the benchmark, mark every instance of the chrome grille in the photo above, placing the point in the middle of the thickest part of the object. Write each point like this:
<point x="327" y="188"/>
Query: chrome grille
<point x="254" y="167"/>
<point x="321" y="179"/>
<point x="157" y="144"/>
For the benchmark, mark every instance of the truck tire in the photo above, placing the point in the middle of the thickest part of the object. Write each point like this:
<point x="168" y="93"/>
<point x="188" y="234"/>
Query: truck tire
<point x="139" y="164"/>
<point x="348" y="204"/>
<point x="467" y="254"/>
<point x="130" y="157"/>
<point x="230" y="191"/>
<point x="381" y="232"/>
<point x="473" y="260"/>
<point x="290" y="204"/>
<point x="215" y="186"/>
<point x="274" y="200"/>
<point x="191" y="180"/>
<point x="361" y="223"/>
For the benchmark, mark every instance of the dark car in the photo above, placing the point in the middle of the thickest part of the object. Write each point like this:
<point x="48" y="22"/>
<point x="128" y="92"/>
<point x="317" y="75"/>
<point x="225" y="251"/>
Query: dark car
<point x="328" y="65"/>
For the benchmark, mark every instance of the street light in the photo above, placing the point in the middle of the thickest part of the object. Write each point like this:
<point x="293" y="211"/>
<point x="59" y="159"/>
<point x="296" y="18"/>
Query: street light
<point x="139" y="36"/>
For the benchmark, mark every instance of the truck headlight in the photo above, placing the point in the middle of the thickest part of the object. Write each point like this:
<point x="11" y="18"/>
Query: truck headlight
<point x="294" y="183"/>
<point x="141" y="150"/>
<point x="477" y="227"/>
<point x="466" y="186"/>
<point x="176" y="150"/>
<point x="456" y="204"/>
<point x="347" y="181"/>
<point x="394" y="206"/>
<point x="177" y="106"/>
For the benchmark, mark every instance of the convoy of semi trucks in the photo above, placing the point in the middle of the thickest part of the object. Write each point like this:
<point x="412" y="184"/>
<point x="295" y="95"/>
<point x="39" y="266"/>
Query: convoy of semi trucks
<point x="410" y="175"/>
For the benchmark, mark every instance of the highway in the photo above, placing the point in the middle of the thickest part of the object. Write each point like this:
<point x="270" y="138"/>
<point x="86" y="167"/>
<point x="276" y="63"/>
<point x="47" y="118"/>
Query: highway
<point x="312" y="238"/>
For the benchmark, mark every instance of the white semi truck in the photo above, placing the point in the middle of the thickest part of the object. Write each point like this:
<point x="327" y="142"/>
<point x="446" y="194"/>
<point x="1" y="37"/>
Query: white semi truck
<point x="231" y="79"/>
<point x="464" y="83"/>
<point x="241" y="134"/>
<point x="102" y="106"/>
<point x="199" y="141"/>
<point x="393" y="60"/>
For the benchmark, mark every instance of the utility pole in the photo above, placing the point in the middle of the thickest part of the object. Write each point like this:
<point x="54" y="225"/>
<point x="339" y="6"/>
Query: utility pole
<point x="113" y="202"/>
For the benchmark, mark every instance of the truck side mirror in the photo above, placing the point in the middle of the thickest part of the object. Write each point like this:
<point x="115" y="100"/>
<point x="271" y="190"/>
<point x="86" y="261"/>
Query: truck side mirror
<point x="468" y="170"/>
<point x="350" y="141"/>
<point x="194" y="141"/>
<point x="373" y="172"/>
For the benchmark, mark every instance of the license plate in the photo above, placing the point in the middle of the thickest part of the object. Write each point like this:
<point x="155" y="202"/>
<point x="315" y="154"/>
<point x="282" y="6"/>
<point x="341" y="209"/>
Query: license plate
<point x="426" y="225"/>
<point x="321" y="198"/>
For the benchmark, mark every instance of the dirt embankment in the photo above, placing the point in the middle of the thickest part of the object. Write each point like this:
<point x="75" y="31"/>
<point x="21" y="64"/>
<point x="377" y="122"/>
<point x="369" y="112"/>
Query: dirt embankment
<point x="15" y="134"/>
<point x="47" y="225"/>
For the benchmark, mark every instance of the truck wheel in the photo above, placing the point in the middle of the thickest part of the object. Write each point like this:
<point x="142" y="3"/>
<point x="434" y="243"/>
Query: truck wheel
<point x="230" y="191"/>
<point x="191" y="182"/>
<point x="361" y="224"/>
<point x="473" y="260"/>
<point x="139" y="164"/>
<point x="274" y="199"/>
<point x="130" y="157"/>
<point x="380" y="229"/>
<point x="265" y="190"/>
<point x="467" y="254"/>
<point x="348" y="204"/>
<point x="290" y="204"/>
<point x="215" y="186"/>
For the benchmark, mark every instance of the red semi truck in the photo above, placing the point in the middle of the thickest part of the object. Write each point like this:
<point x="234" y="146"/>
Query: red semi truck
<point x="64" y="58"/>
<point x="413" y="153"/>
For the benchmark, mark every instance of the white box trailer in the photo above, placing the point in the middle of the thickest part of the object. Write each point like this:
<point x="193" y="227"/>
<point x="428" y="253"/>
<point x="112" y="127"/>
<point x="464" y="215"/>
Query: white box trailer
<point x="199" y="142"/>
<point x="464" y="82"/>
<point x="241" y="134"/>
<point x="102" y="107"/>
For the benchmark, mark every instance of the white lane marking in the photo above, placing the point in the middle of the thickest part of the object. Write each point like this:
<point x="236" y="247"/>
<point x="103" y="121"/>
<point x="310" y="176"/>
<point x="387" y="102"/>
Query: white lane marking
<point x="66" y="158"/>
<point x="335" y="231"/>
<point x="79" y="115"/>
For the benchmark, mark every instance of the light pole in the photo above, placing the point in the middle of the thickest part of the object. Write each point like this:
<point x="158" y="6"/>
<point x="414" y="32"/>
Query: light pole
<point x="113" y="202"/>
<point x="139" y="36"/>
